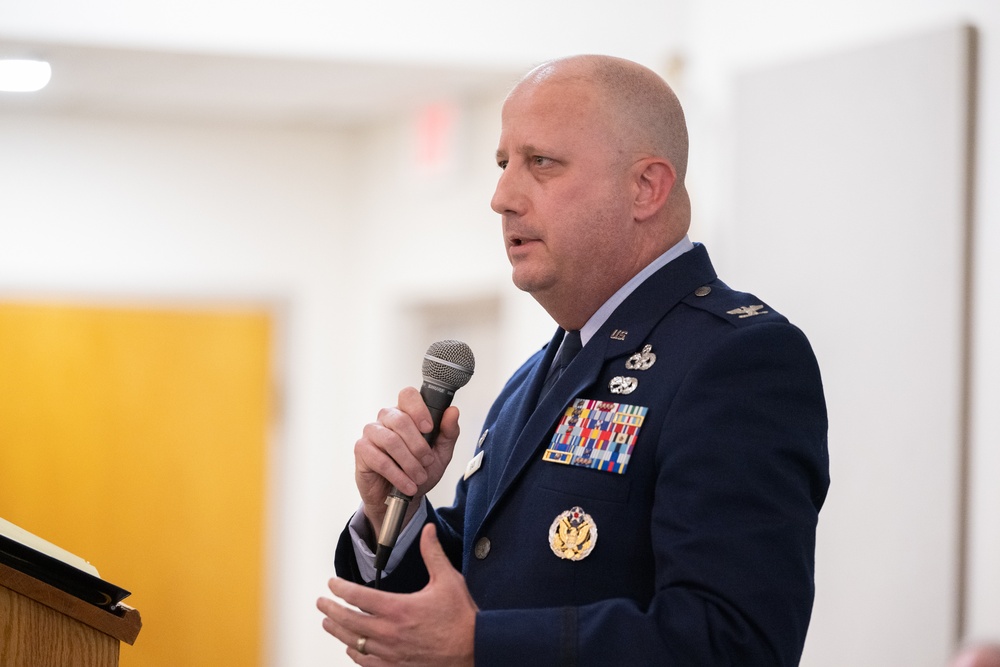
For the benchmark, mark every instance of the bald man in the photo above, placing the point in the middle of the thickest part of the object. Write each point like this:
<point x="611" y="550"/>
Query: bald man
<point x="649" y="498"/>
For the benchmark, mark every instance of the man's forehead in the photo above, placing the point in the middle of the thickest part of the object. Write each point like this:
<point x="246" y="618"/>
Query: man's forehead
<point x="543" y="127"/>
<point x="553" y="82"/>
<point x="551" y="99"/>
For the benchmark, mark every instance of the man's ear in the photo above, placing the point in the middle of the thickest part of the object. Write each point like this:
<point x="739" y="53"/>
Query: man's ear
<point x="654" y="180"/>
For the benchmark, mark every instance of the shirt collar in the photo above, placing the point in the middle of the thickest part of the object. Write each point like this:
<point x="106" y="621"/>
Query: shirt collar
<point x="604" y="312"/>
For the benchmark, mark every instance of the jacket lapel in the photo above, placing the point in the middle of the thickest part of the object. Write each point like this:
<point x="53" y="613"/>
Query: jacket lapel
<point x="622" y="334"/>
<point x="516" y="413"/>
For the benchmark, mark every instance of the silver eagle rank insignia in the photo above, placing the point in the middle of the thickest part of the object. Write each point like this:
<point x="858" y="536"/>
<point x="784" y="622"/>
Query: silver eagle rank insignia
<point x="747" y="311"/>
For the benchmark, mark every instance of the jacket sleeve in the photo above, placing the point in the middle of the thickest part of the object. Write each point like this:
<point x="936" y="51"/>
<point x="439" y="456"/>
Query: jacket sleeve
<point x="741" y="472"/>
<point x="410" y="574"/>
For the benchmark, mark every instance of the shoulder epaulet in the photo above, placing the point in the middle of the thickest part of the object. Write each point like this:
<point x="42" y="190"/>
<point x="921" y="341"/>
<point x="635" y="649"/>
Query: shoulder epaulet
<point x="740" y="308"/>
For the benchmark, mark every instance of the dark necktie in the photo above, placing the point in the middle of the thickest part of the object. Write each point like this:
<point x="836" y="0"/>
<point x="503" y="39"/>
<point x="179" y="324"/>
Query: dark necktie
<point x="571" y="345"/>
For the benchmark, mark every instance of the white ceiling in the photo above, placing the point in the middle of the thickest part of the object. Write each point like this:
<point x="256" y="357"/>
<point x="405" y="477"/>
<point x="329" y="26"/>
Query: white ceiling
<point x="158" y="84"/>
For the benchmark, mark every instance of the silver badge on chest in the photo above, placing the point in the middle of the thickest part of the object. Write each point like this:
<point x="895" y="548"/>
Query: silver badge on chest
<point x="623" y="384"/>
<point x="642" y="360"/>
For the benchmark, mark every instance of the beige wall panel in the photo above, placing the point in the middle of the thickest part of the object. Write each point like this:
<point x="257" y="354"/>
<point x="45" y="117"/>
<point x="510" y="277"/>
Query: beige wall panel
<point x="852" y="218"/>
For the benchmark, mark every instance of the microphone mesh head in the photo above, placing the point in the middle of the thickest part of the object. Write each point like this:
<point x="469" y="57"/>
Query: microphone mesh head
<point x="450" y="363"/>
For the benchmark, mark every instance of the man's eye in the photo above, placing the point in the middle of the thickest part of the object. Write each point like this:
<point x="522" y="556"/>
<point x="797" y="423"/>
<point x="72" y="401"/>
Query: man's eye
<point x="541" y="161"/>
<point x="502" y="164"/>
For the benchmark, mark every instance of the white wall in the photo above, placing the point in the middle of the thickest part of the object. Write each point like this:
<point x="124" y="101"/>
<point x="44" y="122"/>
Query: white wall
<point x="445" y="31"/>
<point x="298" y="220"/>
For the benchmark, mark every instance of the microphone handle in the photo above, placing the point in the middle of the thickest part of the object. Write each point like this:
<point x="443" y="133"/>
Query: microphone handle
<point x="437" y="398"/>
<point x="392" y="523"/>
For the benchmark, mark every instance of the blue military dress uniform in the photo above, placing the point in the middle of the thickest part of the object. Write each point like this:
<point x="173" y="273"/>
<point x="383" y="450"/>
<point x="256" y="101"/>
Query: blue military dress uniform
<point x="659" y="505"/>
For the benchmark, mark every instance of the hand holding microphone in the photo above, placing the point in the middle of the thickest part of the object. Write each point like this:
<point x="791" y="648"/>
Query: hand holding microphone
<point x="448" y="365"/>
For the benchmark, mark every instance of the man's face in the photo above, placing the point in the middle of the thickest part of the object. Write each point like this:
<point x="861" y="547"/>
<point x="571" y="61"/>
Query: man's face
<point x="564" y="195"/>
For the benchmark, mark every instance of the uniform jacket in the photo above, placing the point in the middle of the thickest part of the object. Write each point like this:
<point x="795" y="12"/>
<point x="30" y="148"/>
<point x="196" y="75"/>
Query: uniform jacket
<point x="702" y="550"/>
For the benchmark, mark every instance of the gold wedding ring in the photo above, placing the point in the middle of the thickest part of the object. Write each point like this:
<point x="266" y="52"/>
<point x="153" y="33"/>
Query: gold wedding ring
<point x="360" y="645"/>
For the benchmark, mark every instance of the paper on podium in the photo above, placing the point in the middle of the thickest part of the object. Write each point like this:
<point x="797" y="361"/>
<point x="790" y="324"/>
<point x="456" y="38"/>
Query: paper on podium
<point x="46" y="562"/>
<point x="7" y="529"/>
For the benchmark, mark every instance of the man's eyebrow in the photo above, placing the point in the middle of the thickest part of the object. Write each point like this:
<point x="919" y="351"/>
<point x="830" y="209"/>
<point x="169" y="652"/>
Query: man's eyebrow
<point x="526" y="149"/>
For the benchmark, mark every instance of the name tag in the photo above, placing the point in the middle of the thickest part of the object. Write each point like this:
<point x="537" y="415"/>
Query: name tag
<point x="474" y="464"/>
<point x="596" y="434"/>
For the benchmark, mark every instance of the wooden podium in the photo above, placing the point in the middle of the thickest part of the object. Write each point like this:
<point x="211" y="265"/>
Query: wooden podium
<point x="43" y="626"/>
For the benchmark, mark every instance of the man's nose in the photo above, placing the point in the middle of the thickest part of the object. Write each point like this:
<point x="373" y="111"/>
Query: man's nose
<point x="505" y="197"/>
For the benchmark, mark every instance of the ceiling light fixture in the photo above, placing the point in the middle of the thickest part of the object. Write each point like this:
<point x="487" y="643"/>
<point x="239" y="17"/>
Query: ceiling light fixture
<point x="23" y="75"/>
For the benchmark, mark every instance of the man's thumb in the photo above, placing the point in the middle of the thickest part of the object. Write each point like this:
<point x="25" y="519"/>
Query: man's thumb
<point x="449" y="430"/>
<point x="433" y="553"/>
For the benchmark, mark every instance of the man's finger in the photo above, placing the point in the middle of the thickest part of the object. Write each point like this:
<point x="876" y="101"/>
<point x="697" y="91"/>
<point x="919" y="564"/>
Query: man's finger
<point x="343" y="623"/>
<point x="374" y="459"/>
<point x="412" y="403"/>
<point x="367" y="600"/>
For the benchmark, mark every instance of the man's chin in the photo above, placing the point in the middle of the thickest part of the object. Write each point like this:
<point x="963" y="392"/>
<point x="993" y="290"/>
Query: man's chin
<point x="527" y="282"/>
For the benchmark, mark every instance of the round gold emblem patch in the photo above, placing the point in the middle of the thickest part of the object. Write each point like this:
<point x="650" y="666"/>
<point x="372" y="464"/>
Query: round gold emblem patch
<point x="573" y="534"/>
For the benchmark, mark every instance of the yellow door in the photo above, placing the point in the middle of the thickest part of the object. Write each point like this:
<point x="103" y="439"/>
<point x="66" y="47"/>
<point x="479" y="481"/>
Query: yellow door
<point x="137" y="439"/>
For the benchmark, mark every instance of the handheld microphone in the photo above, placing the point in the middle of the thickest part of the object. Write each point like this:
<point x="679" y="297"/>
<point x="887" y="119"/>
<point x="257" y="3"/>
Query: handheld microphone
<point x="448" y="366"/>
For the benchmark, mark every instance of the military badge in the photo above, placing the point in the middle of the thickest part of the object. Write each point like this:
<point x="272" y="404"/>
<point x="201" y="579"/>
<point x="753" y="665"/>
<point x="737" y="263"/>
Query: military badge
<point x="622" y="384"/>
<point x="573" y="534"/>
<point x="747" y="311"/>
<point x="641" y="361"/>
<point x="596" y="434"/>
